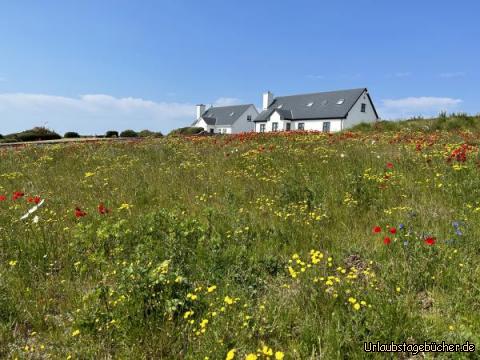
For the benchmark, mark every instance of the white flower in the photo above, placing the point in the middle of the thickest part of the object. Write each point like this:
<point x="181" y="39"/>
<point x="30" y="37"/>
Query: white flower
<point x="35" y="219"/>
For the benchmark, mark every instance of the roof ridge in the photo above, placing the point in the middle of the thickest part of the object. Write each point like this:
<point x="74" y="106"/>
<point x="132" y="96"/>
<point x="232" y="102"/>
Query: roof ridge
<point x="321" y="92"/>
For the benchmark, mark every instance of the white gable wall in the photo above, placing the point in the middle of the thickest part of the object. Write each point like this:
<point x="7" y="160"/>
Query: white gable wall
<point x="242" y="124"/>
<point x="356" y="116"/>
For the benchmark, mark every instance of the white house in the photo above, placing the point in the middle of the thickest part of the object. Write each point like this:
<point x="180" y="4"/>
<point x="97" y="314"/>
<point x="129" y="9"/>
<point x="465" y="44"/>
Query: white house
<point x="325" y="111"/>
<point x="226" y="119"/>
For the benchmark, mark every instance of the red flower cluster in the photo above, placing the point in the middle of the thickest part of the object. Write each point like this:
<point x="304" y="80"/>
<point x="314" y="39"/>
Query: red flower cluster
<point x="34" y="200"/>
<point x="17" y="195"/>
<point x="389" y="165"/>
<point x="102" y="210"/>
<point x="459" y="154"/>
<point x="430" y="240"/>
<point x="386" y="240"/>
<point x="79" y="213"/>
<point x="3" y="198"/>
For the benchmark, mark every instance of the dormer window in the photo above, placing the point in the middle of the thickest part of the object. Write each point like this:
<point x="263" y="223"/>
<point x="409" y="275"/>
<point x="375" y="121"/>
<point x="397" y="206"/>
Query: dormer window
<point x="233" y="113"/>
<point x="340" y="101"/>
<point x="280" y="106"/>
<point x="310" y="104"/>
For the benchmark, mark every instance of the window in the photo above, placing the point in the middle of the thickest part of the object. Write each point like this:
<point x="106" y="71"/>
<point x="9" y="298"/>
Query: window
<point x="326" y="126"/>
<point x="280" y="106"/>
<point x="310" y="104"/>
<point x="301" y="126"/>
<point x="274" y="126"/>
<point x="232" y="113"/>
<point x="287" y="126"/>
<point x="224" y="131"/>
<point x="364" y="107"/>
<point x="249" y="118"/>
<point x="340" y="101"/>
<point x="211" y="131"/>
<point x="262" y="127"/>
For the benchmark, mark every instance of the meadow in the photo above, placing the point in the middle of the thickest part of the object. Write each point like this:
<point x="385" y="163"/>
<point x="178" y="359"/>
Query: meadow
<point x="254" y="246"/>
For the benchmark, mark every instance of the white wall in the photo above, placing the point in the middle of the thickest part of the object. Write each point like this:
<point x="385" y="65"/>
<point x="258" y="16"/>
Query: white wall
<point x="201" y="123"/>
<point x="356" y="116"/>
<point x="309" y="125"/>
<point x="242" y="125"/>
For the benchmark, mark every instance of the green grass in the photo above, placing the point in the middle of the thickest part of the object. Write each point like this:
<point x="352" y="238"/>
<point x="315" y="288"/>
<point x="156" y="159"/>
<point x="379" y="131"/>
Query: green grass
<point x="277" y="227"/>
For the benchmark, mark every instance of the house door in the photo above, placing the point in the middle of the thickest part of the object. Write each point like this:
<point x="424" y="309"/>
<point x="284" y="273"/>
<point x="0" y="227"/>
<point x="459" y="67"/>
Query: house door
<point x="211" y="131"/>
<point x="287" y="126"/>
<point x="326" y="126"/>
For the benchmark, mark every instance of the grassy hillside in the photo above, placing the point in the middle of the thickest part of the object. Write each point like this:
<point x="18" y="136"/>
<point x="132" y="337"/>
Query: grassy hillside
<point x="300" y="246"/>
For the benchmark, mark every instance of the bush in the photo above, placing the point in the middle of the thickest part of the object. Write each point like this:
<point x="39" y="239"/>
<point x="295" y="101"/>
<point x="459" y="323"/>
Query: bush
<point x="71" y="135"/>
<point x="148" y="133"/>
<point x="1" y="136"/>
<point x="35" y="134"/>
<point x="111" y="134"/>
<point x="190" y="130"/>
<point x="129" y="133"/>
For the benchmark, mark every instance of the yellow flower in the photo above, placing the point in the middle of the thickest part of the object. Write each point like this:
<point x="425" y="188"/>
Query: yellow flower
<point x="398" y="289"/>
<point x="12" y="262"/>
<point x="356" y="306"/>
<point x="89" y="174"/>
<point x="230" y="354"/>
<point x="125" y="206"/>
<point x="267" y="351"/>
<point x="76" y="332"/>
<point x="188" y="314"/>
<point x="279" y="355"/>
<point x="251" y="357"/>
<point x="228" y="300"/>
<point x="211" y="288"/>
<point x="352" y="300"/>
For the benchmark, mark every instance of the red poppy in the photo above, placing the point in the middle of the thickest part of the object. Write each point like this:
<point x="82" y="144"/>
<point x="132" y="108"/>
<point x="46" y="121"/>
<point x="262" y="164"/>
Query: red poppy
<point x="17" y="195"/>
<point x="3" y="198"/>
<point x="430" y="240"/>
<point x="34" y="200"/>
<point x="390" y="165"/>
<point x="387" y="240"/>
<point x="377" y="229"/>
<point x="393" y="230"/>
<point x="102" y="209"/>
<point x="79" y="212"/>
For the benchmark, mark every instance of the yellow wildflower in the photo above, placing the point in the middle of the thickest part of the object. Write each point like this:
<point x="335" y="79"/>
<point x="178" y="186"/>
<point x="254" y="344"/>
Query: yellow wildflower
<point x="230" y="354"/>
<point x="279" y="355"/>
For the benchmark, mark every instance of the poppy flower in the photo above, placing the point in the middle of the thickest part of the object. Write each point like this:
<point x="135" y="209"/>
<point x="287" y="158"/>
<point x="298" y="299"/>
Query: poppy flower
<point x="390" y="165"/>
<point x="79" y="213"/>
<point x="387" y="240"/>
<point x="102" y="209"/>
<point x="3" y="198"/>
<point x="34" y="200"/>
<point x="392" y="230"/>
<point x="377" y="229"/>
<point x="17" y="195"/>
<point x="430" y="240"/>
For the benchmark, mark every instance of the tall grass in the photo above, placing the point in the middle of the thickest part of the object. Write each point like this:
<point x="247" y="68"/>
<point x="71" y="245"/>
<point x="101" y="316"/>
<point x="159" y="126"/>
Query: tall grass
<point x="250" y="244"/>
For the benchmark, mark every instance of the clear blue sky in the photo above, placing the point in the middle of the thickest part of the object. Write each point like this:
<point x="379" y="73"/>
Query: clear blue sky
<point x="93" y="65"/>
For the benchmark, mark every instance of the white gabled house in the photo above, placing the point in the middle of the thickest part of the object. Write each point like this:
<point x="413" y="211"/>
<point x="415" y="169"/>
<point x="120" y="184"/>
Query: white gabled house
<point x="326" y="111"/>
<point x="226" y="119"/>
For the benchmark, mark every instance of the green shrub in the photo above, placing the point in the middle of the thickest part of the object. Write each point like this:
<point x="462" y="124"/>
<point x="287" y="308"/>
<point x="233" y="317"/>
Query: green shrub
<point x="111" y="134"/>
<point x="71" y="135"/>
<point x="35" y="134"/>
<point x="148" y="133"/>
<point x="129" y="134"/>
<point x="189" y="130"/>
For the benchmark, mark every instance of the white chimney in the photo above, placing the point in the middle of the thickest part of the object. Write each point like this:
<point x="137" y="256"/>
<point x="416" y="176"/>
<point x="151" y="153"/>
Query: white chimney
<point x="200" y="110"/>
<point x="267" y="99"/>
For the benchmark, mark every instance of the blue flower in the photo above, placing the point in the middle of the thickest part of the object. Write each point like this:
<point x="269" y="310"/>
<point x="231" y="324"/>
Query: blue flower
<point x="455" y="224"/>
<point x="458" y="232"/>
<point x="401" y="226"/>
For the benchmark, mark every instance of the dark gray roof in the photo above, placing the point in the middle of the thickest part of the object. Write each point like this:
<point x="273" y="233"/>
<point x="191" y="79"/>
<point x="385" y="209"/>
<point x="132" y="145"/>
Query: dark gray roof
<point x="209" y="120"/>
<point x="225" y="115"/>
<point x="323" y="105"/>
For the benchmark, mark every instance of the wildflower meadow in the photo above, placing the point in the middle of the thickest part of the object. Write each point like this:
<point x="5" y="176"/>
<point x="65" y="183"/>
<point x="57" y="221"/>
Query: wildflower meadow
<point x="251" y="246"/>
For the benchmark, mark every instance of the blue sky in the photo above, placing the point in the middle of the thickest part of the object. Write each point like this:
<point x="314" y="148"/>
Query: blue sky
<point x="90" y="66"/>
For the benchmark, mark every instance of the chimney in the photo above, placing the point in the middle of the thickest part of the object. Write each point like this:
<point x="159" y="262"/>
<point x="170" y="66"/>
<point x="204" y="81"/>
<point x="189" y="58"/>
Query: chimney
<point x="267" y="99"/>
<point x="200" y="110"/>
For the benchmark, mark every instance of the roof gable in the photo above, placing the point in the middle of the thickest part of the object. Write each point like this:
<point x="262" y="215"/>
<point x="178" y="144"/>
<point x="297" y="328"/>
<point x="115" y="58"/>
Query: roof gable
<point x="225" y="115"/>
<point x="323" y="105"/>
